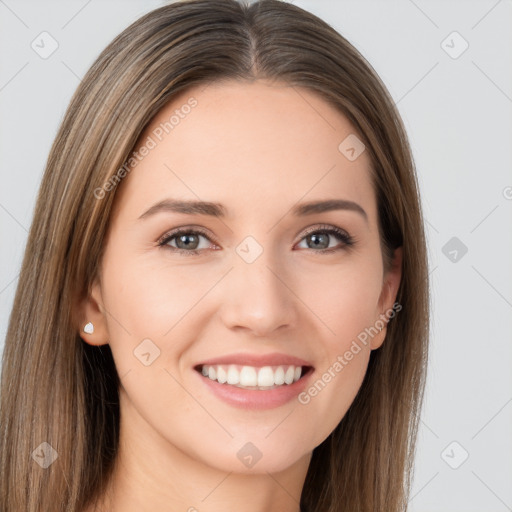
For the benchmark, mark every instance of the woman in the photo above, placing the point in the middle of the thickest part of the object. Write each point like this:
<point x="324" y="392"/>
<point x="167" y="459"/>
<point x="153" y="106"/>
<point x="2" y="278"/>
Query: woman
<point x="223" y="302"/>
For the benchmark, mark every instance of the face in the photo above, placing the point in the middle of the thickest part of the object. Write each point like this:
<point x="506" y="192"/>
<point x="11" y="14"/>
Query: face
<point x="245" y="288"/>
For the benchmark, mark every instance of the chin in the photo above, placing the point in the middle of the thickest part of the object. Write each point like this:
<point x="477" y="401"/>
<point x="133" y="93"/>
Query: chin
<point x="253" y="458"/>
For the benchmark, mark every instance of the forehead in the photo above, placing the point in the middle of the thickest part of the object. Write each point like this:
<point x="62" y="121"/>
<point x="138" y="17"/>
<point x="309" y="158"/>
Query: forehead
<point x="248" y="145"/>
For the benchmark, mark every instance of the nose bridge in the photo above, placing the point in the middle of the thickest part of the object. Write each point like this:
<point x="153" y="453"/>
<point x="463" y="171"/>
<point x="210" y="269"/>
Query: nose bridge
<point x="258" y="298"/>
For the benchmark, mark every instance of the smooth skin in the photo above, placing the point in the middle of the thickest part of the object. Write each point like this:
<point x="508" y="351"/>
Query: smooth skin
<point x="259" y="148"/>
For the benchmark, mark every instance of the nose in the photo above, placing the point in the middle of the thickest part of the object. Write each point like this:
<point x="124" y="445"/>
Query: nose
<point x="257" y="297"/>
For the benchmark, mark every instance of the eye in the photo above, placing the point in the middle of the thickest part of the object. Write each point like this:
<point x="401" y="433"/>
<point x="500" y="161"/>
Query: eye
<point x="186" y="239"/>
<point x="319" y="238"/>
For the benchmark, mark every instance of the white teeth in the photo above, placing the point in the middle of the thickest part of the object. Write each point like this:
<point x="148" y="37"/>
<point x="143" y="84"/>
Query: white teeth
<point x="266" y="376"/>
<point x="252" y="377"/>
<point x="279" y="376"/>
<point x="222" y="376"/>
<point x="288" y="376"/>
<point x="248" y="376"/>
<point x="233" y="375"/>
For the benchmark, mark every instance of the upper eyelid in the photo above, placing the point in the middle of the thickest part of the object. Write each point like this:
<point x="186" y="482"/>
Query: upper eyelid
<point x="169" y="235"/>
<point x="322" y="227"/>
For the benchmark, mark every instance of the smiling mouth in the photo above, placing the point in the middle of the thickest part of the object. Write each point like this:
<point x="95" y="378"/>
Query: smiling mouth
<point x="254" y="377"/>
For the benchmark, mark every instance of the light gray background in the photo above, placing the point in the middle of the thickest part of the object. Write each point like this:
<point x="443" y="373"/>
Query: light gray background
<point x="458" y="115"/>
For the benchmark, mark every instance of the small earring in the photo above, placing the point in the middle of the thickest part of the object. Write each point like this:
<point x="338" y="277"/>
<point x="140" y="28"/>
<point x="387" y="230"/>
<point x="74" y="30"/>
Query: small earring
<point x="89" y="328"/>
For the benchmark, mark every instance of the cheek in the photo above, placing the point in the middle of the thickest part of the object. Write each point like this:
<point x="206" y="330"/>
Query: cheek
<point x="149" y="301"/>
<point x="343" y="304"/>
<point x="343" y="300"/>
<point x="346" y="302"/>
<point x="331" y="393"/>
<point x="157" y="303"/>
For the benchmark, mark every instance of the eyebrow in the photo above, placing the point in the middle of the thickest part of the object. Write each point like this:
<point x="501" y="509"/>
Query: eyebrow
<point x="218" y="210"/>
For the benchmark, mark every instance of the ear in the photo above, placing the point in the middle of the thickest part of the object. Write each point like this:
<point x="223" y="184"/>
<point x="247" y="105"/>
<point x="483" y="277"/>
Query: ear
<point x="91" y="310"/>
<point x="387" y="297"/>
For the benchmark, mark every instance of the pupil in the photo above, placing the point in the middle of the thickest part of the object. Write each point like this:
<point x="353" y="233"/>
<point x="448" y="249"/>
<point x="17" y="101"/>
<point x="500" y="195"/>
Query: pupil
<point x="183" y="239"/>
<point x="316" y="236"/>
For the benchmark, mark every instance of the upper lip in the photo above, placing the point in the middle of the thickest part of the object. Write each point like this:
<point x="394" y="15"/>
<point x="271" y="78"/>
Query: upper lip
<point x="246" y="359"/>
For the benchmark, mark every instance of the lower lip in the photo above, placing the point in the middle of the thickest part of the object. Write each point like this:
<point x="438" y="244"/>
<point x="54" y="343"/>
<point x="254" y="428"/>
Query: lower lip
<point x="255" y="398"/>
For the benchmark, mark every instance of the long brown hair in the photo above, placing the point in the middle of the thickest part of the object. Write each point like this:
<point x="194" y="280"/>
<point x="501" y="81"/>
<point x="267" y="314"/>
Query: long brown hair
<point x="57" y="389"/>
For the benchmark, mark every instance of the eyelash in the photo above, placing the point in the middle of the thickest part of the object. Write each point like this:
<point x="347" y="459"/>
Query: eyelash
<point x="344" y="237"/>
